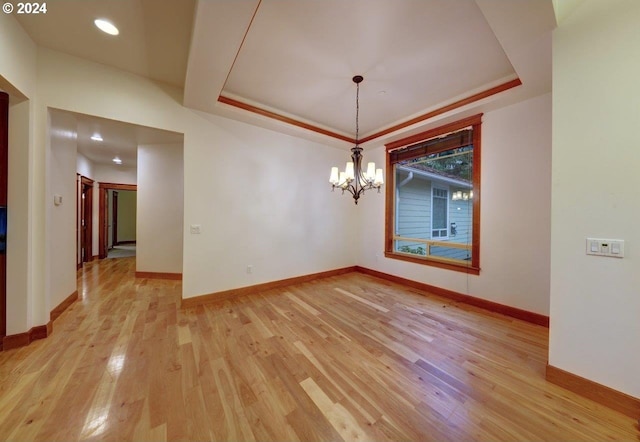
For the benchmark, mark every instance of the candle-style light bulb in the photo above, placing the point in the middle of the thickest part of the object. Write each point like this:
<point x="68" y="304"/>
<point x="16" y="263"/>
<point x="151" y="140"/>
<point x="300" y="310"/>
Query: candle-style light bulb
<point x="379" y="180"/>
<point x="371" y="171"/>
<point x="349" y="171"/>
<point x="333" y="179"/>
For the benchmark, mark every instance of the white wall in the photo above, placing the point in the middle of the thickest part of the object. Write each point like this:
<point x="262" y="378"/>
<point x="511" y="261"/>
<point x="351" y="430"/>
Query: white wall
<point x="19" y="268"/>
<point x="160" y="208"/>
<point x="17" y="59"/>
<point x="127" y="202"/>
<point x="595" y="302"/>
<point x="515" y="214"/>
<point x="61" y="220"/>
<point x="18" y="77"/>
<point x="262" y="199"/>
<point x="84" y="166"/>
<point x="107" y="173"/>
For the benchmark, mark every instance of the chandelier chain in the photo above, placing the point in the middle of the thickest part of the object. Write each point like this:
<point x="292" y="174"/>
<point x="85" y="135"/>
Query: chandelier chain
<point x="357" y="110"/>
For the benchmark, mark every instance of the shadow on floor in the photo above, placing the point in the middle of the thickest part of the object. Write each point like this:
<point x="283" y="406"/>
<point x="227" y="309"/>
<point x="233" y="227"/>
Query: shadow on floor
<point x="122" y="251"/>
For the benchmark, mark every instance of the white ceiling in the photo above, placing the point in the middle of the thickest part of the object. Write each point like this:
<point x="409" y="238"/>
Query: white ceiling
<point x="154" y="34"/>
<point x="300" y="56"/>
<point x="296" y="58"/>
<point x="121" y="139"/>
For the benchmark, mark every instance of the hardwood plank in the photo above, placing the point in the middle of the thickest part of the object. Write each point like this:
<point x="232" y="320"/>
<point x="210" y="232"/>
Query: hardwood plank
<point x="343" y="422"/>
<point x="347" y="357"/>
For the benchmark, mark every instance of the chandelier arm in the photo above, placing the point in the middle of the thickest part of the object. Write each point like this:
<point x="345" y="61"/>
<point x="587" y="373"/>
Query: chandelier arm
<point x="349" y="188"/>
<point x="353" y="189"/>
<point x="363" y="179"/>
<point x="357" y="195"/>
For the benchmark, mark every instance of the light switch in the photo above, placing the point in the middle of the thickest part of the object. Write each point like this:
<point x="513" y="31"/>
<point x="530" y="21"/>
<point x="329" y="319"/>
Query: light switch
<point x="613" y="248"/>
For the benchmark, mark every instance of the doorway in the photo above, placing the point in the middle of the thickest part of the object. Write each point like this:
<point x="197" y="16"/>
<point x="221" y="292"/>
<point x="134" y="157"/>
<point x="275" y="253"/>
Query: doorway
<point x="4" y="172"/>
<point x="86" y="219"/>
<point x="117" y="213"/>
<point x="113" y="218"/>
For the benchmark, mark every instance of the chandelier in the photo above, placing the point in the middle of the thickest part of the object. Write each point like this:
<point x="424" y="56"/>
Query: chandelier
<point x="354" y="179"/>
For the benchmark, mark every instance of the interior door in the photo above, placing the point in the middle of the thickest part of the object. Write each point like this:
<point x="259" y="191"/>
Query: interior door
<point x="86" y="237"/>
<point x="4" y="169"/>
<point x="83" y="237"/>
<point x="114" y="221"/>
<point x="103" y="223"/>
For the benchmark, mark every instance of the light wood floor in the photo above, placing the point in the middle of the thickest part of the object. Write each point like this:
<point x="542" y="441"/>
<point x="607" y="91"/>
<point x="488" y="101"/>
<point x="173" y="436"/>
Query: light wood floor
<point x="343" y="358"/>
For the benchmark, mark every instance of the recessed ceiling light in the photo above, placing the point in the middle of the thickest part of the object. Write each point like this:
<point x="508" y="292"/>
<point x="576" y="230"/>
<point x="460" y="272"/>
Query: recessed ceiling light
<point x="96" y="137"/>
<point x="106" y="26"/>
<point x="117" y="160"/>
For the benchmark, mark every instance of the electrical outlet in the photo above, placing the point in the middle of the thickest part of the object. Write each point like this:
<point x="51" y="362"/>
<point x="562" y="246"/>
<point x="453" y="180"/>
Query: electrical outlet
<point x="195" y="229"/>
<point x="249" y="269"/>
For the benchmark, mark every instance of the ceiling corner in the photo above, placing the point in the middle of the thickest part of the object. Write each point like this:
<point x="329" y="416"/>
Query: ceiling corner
<point x="219" y="29"/>
<point x="564" y="8"/>
<point x="524" y="29"/>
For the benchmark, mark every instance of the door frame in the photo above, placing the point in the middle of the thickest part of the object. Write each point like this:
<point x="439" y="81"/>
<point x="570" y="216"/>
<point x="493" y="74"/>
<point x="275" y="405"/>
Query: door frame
<point x="4" y="180"/>
<point x="78" y="262"/>
<point x="102" y="205"/>
<point x="86" y="213"/>
<point x="114" y="218"/>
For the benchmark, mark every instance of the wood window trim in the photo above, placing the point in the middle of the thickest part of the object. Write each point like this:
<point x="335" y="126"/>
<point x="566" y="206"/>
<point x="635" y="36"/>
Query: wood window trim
<point x="476" y="122"/>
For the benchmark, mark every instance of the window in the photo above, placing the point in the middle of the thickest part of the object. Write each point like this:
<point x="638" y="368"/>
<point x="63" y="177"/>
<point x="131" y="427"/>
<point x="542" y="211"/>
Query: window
<point x="433" y="197"/>
<point x="439" y="212"/>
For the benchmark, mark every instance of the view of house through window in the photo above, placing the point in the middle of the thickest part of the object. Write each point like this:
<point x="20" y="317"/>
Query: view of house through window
<point x="433" y="199"/>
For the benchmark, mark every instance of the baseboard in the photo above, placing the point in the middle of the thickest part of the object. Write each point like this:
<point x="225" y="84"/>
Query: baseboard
<point x="534" y="318"/>
<point x="124" y="243"/>
<point x="159" y="275"/>
<point x="243" y="291"/>
<point x="23" y="339"/>
<point x="60" y="308"/>
<point x="39" y="331"/>
<point x="616" y="400"/>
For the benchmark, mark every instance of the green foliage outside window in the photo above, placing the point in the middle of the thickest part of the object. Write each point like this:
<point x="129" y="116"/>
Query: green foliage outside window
<point x="414" y="251"/>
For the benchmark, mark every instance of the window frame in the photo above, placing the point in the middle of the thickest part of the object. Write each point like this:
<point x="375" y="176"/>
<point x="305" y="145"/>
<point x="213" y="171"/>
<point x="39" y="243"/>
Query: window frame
<point x="475" y="122"/>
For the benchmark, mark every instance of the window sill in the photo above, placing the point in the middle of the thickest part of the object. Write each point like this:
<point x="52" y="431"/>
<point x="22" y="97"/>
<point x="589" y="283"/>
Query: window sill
<point x="433" y="262"/>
